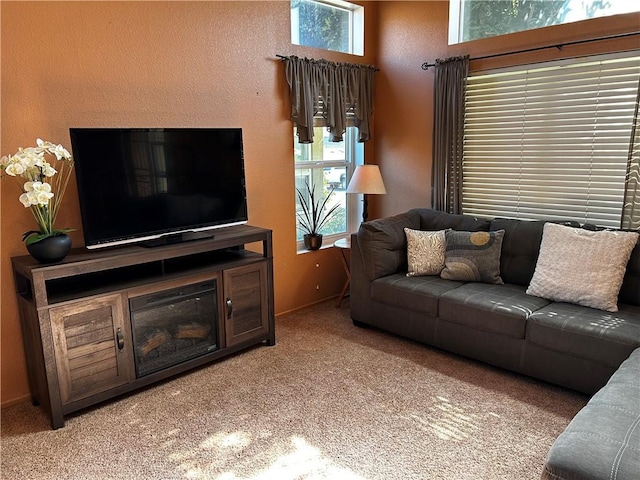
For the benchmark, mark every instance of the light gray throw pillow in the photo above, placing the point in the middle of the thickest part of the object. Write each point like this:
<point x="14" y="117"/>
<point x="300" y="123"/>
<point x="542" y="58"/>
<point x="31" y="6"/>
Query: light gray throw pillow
<point x="582" y="266"/>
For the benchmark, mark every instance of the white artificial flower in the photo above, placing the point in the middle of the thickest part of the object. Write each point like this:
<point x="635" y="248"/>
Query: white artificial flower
<point x="41" y="187"/>
<point x="24" y="199"/>
<point x="38" y="193"/>
<point x="29" y="199"/>
<point x="14" y="169"/>
<point x="60" y="152"/>
<point x="42" y="198"/>
<point x="48" y="170"/>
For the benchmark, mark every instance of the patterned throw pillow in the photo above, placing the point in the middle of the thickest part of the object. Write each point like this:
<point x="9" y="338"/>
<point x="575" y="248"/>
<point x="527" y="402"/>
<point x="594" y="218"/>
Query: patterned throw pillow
<point x="582" y="266"/>
<point x="425" y="252"/>
<point x="473" y="256"/>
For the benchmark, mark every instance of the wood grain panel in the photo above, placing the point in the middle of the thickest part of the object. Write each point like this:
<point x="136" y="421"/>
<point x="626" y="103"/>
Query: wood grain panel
<point x="245" y="287"/>
<point x="88" y="360"/>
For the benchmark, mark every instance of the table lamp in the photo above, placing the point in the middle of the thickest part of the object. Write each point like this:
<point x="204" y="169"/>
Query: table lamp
<point x="366" y="180"/>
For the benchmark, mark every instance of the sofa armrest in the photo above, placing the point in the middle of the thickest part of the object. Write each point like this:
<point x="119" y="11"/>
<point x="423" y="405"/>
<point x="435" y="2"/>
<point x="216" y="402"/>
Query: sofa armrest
<point x="383" y="244"/>
<point x="360" y="288"/>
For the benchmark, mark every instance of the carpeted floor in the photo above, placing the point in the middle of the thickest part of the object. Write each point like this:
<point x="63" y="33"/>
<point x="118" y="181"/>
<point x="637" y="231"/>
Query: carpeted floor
<point x="329" y="401"/>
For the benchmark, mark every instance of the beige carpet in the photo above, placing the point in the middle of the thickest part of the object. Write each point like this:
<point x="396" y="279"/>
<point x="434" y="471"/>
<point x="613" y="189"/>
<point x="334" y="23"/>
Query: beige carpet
<point x="329" y="401"/>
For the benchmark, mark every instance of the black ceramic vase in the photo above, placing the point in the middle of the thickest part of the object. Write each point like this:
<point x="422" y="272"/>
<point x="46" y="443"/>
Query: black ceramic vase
<point x="50" y="249"/>
<point x="313" y="242"/>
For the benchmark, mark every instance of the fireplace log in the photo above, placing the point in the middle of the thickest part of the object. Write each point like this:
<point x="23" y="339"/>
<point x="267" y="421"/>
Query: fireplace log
<point x="193" y="330"/>
<point x="153" y="340"/>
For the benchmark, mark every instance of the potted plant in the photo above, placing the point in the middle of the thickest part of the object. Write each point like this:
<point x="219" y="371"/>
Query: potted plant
<point x="42" y="193"/>
<point x="314" y="215"/>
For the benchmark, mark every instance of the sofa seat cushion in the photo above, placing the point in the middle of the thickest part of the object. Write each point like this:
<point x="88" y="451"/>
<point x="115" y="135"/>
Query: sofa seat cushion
<point x="583" y="332"/>
<point x="420" y="294"/>
<point x="501" y="309"/>
<point x="603" y="439"/>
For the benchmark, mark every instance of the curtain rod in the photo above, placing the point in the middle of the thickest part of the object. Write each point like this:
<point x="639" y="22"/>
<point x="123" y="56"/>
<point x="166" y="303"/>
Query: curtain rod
<point x="559" y="46"/>
<point x="284" y="57"/>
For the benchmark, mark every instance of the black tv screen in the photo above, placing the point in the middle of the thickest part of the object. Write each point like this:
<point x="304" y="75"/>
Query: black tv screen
<point x="141" y="184"/>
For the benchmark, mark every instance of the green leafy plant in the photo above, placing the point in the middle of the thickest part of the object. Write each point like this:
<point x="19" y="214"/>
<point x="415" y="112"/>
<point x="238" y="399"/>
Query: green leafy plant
<point x="44" y="187"/>
<point x="314" y="214"/>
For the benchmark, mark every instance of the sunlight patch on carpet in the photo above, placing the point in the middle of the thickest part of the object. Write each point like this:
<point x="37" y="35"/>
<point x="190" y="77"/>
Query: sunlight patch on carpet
<point x="450" y="422"/>
<point x="301" y="461"/>
<point x="233" y="440"/>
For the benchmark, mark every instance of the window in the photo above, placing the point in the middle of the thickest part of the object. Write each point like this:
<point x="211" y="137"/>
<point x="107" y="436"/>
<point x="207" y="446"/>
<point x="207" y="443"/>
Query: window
<point x="473" y="19"/>
<point x="331" y="25"/>
<point x="328" y="166"/>
<point x="551" y="141"/>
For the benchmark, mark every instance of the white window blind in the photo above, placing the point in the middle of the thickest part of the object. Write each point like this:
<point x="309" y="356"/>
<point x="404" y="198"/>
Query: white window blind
<point x="550" y="141"/>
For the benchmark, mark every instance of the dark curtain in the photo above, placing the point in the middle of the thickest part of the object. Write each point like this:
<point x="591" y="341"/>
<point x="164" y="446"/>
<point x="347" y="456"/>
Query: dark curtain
<point x="333" y="95"/>
<point x="631" y="209"/>
<point x="448" y="133"/>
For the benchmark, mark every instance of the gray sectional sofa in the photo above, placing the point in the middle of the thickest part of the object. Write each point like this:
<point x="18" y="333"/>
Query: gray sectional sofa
<point x="603" y="439"/>
<point x="563" y="343"/>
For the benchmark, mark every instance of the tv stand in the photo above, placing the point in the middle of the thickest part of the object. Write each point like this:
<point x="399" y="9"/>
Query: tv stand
<point x="177" y="238"/>
<point x="77" y="316"/>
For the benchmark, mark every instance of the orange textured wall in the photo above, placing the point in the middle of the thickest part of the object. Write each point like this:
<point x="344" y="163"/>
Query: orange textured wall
<point x="408" y="34"/>
<point x="157" y="64"/>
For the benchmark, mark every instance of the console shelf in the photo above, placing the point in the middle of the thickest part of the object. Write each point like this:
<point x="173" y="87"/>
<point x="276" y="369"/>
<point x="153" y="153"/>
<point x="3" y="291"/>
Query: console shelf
<point x="77" y="324"/>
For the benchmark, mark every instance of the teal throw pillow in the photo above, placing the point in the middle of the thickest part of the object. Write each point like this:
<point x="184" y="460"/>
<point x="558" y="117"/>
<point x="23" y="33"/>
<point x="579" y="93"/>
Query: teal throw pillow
<point x="473" y="256"/>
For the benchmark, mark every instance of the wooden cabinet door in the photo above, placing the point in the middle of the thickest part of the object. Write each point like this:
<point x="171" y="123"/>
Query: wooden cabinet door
<point x="92" y="346"/>
<point x="245" y="303"/>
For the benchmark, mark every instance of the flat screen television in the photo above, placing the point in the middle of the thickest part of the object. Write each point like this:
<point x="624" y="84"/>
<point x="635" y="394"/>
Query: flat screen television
<point x="158" y="185"/>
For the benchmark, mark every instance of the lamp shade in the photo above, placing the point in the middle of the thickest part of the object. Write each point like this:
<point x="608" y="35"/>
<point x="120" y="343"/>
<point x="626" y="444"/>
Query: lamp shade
<point x="366" y="179"/>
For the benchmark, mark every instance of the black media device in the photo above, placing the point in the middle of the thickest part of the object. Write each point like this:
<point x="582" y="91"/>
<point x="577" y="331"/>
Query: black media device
<point x="158" y="185"/>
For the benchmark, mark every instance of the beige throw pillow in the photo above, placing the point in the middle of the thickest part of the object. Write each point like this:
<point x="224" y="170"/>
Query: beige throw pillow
<point x="425" y="252"/>
<point x="582" y="266"/>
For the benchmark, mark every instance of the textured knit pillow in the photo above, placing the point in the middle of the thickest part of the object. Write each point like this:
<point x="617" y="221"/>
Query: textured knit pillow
<point x="582" y="266"/>
<point x="473" y="256"/>
<point x="425" y="252"/>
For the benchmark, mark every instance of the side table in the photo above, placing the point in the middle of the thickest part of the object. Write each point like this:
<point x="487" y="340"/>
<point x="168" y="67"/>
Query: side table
<point x="344" y="245"/>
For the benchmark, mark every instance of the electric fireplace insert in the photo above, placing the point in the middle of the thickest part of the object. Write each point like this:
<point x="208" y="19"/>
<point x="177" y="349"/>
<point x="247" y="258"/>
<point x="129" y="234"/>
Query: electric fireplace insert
<point x="173" y="326"/>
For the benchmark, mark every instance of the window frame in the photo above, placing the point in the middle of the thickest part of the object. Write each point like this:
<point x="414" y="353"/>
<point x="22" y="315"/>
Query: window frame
<point x="354" y="156"/>
<point x="456" y="20"/>
<point x="356" y="25"/>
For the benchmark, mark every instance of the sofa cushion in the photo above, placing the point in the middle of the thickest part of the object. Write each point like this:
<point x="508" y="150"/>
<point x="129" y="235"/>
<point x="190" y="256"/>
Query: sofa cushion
<point x="583" y="332"/>
<point x="603" y="439"/>
<point x="437" y="220"/>
<point x="420" y="294"/>
<point x="582" y="266"/>
<point x="473" y="256"/>
<point x="520" y="248"/>
<point x="383" y="244"/>
<point x="425" y="252"/>
<point x="501" y="309"/>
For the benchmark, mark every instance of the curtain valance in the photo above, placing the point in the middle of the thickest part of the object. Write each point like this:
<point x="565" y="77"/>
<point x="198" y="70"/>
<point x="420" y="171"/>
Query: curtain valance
<point x="334" y="95"/>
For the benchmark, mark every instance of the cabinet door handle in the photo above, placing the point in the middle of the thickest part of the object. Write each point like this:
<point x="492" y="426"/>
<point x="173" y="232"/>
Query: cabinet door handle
<point x="229" y="308"/>
<point x="120" y="339"/>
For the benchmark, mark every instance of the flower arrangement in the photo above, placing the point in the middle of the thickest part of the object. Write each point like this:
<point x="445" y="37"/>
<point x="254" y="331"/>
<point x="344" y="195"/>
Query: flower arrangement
<point x="44" y="187"/>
